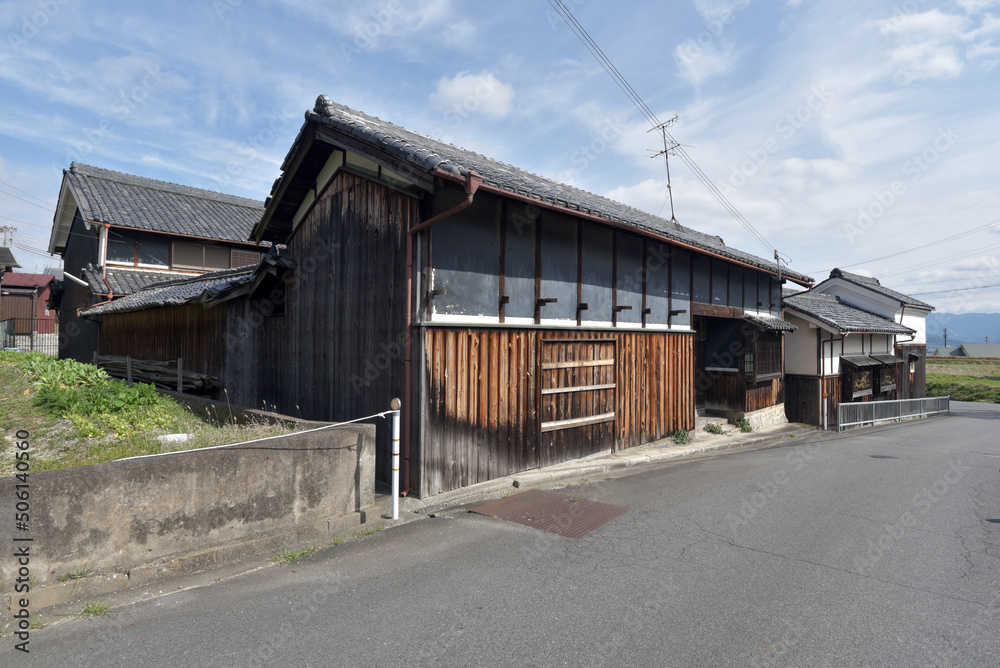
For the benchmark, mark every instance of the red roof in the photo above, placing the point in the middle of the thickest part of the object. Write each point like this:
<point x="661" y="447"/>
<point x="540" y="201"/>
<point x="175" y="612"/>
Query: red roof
<point x="15" y="279"/>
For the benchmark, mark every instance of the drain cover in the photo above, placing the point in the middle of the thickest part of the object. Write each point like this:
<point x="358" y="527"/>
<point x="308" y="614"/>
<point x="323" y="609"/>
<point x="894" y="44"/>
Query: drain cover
<point x="551" y="511"/>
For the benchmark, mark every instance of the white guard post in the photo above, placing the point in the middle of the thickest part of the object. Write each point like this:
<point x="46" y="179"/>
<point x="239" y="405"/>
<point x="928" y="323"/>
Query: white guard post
<point x="396" y="404"/>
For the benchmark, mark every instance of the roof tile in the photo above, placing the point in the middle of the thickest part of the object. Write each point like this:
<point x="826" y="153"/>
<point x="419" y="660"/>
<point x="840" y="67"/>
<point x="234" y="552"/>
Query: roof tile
<point x="428" y="153"/>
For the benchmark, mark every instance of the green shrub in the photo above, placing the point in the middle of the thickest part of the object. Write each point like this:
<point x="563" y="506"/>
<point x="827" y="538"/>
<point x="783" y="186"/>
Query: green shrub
<point x="713" y="428"/>
<point x="742" y="423"/>
<point x="681" y="437"/>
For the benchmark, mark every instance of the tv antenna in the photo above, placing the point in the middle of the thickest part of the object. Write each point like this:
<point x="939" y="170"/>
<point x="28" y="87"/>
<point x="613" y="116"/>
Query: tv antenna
<point x="669" y="146"/>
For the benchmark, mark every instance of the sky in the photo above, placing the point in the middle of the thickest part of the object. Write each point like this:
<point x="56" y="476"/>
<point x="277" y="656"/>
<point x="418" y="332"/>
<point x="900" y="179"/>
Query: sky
<point x="860" y="135"/>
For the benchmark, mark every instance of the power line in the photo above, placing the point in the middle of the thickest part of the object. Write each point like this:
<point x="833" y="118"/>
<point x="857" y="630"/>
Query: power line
<point x="26" y="193"/>
<point x="957" y="256"/>
<point x="49" y="208"/>
<point x="644" y="109"/>
<point x="910" y="229"/>
<point x="936" y="242"/>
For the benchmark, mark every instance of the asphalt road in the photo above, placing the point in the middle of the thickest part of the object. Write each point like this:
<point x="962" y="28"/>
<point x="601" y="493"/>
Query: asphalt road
<point x="876" y="548"/>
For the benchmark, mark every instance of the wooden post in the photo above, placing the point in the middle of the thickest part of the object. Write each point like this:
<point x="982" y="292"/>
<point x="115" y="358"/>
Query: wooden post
<point x="180" y="374"/>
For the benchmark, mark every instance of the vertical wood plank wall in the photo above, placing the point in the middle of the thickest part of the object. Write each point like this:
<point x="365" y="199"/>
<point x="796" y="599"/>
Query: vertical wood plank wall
<point x="337" y="353"/>
<point x="805" y="405"/>
<point x="190" y="332"/>
<point x="482" y="415"/>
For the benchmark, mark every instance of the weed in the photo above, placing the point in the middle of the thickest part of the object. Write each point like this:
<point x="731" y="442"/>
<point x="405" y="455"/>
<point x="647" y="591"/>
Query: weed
<point x="713" y="428"/>
<point x="337" y="541"/>
<point x="369" y="531"/>
<point x="681" y="437"/>
<point x="742" y="423"/>
<point x="76" y="574"/>
<point x="36" y="623"/>
<point x="292" y="556"/>
<point x="95" y="609"/>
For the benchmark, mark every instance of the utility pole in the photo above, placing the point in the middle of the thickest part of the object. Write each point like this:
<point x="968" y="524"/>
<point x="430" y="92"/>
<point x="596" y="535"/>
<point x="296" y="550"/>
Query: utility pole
<point x="8" y="234"/>
<point x="668" y="149"/>
<point x="945" y="337"/>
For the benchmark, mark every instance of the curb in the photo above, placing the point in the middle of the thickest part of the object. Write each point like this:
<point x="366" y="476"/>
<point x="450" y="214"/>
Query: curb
<point x="652" y="453"/>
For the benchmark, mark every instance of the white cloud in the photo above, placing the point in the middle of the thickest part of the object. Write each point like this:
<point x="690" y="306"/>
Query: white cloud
<point x="466" y="93"/>
<point x="698" y="62"/>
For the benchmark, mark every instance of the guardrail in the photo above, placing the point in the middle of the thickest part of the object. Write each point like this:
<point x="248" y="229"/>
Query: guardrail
<point x="853" y="414"/>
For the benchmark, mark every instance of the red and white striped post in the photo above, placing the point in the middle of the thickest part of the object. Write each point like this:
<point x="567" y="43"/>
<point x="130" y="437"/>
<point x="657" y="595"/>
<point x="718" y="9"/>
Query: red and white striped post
<point x="396" y="404"/>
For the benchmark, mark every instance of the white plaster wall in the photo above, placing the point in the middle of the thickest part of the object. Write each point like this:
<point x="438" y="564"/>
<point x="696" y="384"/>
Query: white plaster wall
<point x="800" y="348"/>
<point x="915" y="320"/>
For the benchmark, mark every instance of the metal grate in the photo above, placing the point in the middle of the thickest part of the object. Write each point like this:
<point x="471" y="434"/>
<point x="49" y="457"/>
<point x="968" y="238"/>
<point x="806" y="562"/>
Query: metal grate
<point x="551" y="511"/>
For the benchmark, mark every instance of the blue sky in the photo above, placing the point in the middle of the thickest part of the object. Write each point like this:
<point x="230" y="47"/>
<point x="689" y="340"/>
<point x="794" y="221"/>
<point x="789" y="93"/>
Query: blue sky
<point x="844" y="132"/>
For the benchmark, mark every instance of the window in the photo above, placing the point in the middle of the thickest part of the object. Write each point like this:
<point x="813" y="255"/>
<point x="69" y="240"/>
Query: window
<point x="198" y="256"/>
<point x="762" y="355"/>
<point x="242" y="258"/>
<point x="137" y="249"/>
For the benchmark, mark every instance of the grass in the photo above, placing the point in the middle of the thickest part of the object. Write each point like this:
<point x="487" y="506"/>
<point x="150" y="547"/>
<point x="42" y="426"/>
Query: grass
<point x="292" y="556"/>
<point x="965" y="379"/>
<point x="77" y="416"/>
<point x="96" y="609"/>
<point x="75" y="574"/>
<point x="369" y="531"/>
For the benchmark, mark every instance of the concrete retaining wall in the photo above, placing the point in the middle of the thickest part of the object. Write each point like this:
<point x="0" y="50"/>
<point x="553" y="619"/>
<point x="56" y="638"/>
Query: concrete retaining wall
<point x="124" y="514"/>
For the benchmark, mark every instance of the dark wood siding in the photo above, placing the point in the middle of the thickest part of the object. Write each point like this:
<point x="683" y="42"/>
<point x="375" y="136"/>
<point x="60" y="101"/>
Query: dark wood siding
<point x="803" y="403"/>
<point x="482" y="418"/>
<point x="189" y="332"/>
<point x="77" y="336"/>
<point x="337" y="353"/>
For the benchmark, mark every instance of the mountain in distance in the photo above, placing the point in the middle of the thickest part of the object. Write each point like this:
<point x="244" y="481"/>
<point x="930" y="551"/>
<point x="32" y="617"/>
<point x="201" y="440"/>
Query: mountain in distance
<point x="962" y="328"/>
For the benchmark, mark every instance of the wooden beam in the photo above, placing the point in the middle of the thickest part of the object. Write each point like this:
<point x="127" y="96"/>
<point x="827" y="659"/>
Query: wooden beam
<point x="580" y="388"/>
<point x="577" y="422"/>
<point x="577" y="364"/>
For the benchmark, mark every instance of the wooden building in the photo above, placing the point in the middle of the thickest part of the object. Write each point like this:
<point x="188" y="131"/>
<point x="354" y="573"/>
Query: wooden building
<point x="523" y="322"/>
<point x="841" y="352"/>
<point x="118" y="233"/>
<point x="869" y="294"/>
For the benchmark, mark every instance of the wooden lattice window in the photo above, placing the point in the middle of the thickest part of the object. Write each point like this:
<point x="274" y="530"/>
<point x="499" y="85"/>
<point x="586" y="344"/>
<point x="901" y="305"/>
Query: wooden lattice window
<point x="762" y="355"/>
<point x="242" y="258"/>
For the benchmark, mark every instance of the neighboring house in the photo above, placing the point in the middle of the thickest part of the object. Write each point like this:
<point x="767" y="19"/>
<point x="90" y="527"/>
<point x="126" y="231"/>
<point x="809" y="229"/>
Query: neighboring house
<point x="118" y="233"/>
<point x="24" y="308"/>
<point x="8" y="262"/>
<point x="971" y="350"/>
<point x="869" y="294"/>
<point x="522" y="322"/>
<point x="857" y="341"/>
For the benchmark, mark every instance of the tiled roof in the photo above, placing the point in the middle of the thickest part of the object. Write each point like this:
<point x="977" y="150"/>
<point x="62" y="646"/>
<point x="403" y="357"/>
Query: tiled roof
<point x="92" y="277"/>
<point x="769" y="322"/>
<point x="128" y="281"/>
<point x="125" y="281"/>
<point x="831" y="311"/>
<point x="18" y="280"/>
<point x="131" y="201"/>
<point x="175" y="292"/>
<point x="432" y="154"/>
<point x="7" y="258"/>
<point x="873" y="284"/>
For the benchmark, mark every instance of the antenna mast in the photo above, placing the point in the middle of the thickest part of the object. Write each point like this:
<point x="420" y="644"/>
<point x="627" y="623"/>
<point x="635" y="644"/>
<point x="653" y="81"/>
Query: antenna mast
<point x="668" y="148"/>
